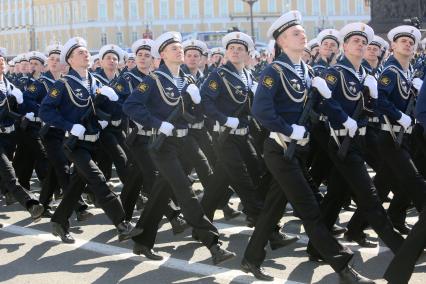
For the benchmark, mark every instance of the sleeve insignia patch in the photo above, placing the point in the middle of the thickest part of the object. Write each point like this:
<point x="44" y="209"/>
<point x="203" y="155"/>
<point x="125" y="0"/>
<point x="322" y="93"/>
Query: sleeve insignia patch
<point x="54" y="93"/>
<point x="268" y="82"/>
<point x="143" y="87"/>
<point x="213" y="85"/>
<point x="384" y="80"/>
<point x="32" y="88"/>
<point x="331" y="79"/>
<point x="119" y="87"/>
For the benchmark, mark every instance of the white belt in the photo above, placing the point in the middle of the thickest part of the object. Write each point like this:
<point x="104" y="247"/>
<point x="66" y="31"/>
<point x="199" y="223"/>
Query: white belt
<point x="198" y="125"/>
<point x="344" y="132"/>
<point x="7" y="130"/>
<point x="145" y="132"/>
<point x="396" y="128"/>
<point x="373" y="119"/>
<point x="88" y="138"/>
<point x="176" y="132"/>
<point x="274" y="135"/>
<point x="238" y="131"/>
<point x="323" y="117"/>
<point x="116" y="122"/>
<point x="34" y="119"/>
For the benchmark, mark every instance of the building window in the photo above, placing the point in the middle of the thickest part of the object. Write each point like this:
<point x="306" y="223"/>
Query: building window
<point x="103" y="39"/>
<point x="316" y="7"/>
<point x="301" y="6"/>
<point x="83" y="11"/>
<point x="75" y="15"/>
<point x="43" y="16"/>
<point x="344" y="7"/>
<point x="50" y="16"/>
<point x="272" y="6"/>
<point x="330" y="8"/>
<point x="66" y="14"/>
<point x="118" y="9"/>
<point x="223" y="6"/>
<point x="133" y="10"/>
<point x="359" y="7"/>
<point x="208" y="8"/>
<point x="179" y="9"/>
<point x="36" y="16"/>
<point x="134" y="36"/>
<point x="164" y="9"/>
<point x="58" y="14"/>
<point x="256" y="7"/>
<point x="102" y="10"/>
<point x="149" y="11"/>
<point x="194" y="10"/>
<point x="238" y="6"/>
<point x="119" y="38"/>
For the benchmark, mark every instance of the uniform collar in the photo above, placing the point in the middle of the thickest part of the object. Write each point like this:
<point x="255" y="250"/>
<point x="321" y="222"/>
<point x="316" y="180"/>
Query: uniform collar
<point x="393" y="61"/>
<point x="367" y="65"/>
<point x="135" y="71"/>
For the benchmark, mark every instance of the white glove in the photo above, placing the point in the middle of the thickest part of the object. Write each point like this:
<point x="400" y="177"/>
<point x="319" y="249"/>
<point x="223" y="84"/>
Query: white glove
<point x="322" y="87"/>
<point x="194" y="92"/>
<point x="232" y="122"/>
<point x="371" y="83"/>
<point x="405" y="120"/>
<point x="298" y="132"/>
<point x="166" y="128"/>
<point x="351" y="126"/>
<point x="29" y="116"/>
<point x="78" y="130"/>
<point x="417" y="83"/>
<point x="254" y="87"/>
<point x="103" y="123"/>
<point x="109" y="93"/>
<point x="18" y="95"/>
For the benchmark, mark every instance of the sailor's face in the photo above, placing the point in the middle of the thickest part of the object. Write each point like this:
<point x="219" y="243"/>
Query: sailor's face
<point x="2" y="64"/>
<point x="236" y="53"/>
<point x="110" y="61"/>
<point x="355" y="46"/>
<point x="192" y="58"/>
<point x="328" y="46"/>
<point x="293" y="38"/>
<point x="372" y="53"/>
<point x="143" y="59"/>
<point x="173" y="53"/>
<point x="79" y="58"/>
<point x="53" y="62"/>
<point x="404" y="45"/>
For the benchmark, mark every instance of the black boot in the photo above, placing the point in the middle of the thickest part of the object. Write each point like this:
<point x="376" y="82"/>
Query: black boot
<point x="36" y="211"/>
<point x="179" y="225"/>
<point x="62" y="232"/>
<point x="278" y="240"/>
<point x="127" y="230"/>
<point x="83" y="215"/>
<point x="337" y="230"/>
<point x="229" y="212"/>
<point x="146" y="251"/>
<point x="9" y="198"/>
<point x="349" y="276"/>
<point x="256" y="270"/>
<point x="219" y="254"/>
<point x="362" y="241"/>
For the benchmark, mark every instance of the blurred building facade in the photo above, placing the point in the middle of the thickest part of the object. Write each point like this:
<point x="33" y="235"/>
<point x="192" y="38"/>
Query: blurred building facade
<point x="33" y="24"/>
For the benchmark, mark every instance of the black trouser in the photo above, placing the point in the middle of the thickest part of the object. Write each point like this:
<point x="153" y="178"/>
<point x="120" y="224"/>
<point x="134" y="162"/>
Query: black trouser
<point x="402" y="265"/>
<point x="142" y="172"/>
<point x="237" y="165"/>
<point x="111" y="141"/>
<point x="403" y="169"/>
<point x="8" y="180"/>
<point x="321" y="163"/>
<point x="87" y="172"/>
<point x="30" y="155"/>
<point x="204" y="141"/>
<point x="168" y="162"/>
<point x="59" y="168"/>
<point x="292" y="185"/>
<point x="353" y="171"/>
